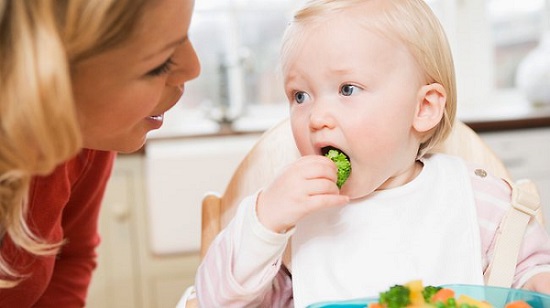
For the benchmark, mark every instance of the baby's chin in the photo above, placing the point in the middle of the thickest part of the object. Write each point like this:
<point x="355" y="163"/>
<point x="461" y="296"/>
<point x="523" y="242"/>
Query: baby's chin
<point x="360" y="186"/>
<point x="355" y="194"/>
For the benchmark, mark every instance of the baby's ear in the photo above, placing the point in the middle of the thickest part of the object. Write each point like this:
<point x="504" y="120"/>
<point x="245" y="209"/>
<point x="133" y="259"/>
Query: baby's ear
<point x="431" y="101"/>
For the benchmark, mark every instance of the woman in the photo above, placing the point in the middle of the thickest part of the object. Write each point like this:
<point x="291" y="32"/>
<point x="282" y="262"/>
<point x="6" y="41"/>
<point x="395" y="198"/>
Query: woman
<point x="79" y="81"/>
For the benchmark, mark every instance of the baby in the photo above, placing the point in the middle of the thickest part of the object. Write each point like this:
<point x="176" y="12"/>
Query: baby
<point x="373" y="79"/>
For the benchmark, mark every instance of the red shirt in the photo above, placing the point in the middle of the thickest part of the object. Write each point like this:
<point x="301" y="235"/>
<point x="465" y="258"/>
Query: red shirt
<point x="62" y="205"/>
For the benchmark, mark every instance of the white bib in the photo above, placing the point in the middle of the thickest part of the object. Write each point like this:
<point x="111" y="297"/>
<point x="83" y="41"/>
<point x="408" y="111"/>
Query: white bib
<point x="426" y="229"/>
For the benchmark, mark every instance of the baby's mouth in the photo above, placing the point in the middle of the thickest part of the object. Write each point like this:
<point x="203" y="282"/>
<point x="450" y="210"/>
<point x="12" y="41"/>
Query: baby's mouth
<point x="325" y="150"/>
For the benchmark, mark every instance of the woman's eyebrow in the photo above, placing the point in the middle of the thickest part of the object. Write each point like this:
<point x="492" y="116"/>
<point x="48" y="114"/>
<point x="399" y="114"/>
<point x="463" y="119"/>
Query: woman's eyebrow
<point x="167" y="46"/>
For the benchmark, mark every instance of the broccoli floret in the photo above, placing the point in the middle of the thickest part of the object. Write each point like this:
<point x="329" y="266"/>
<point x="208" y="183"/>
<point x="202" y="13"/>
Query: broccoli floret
<point x="451" y="302"/>
<point x="428" y="292"/>
<point x="343" y="164"/>
<point x="397" y="296"/>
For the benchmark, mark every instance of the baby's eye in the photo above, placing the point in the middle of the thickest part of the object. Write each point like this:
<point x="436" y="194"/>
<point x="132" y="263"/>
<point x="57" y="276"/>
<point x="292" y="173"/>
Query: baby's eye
<point x="348" y="89"/>
<point x="300" y="96"/>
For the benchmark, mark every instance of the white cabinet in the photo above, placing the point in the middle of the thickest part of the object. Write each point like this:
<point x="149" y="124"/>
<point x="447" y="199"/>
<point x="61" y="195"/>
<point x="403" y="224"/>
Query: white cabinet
<point x="526" y="155"/>
<point x="178" y="173"/>
<point x="115" y="283"/>
<point x="128" y="274"/>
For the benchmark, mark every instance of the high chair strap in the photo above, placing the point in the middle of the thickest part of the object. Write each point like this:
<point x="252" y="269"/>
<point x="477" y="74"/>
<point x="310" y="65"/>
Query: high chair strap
<point x="525" y="205"/>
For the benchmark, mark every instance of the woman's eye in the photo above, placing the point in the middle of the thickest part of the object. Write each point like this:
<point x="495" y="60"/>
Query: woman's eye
<point x="300" y="97"/>
<point x="162" y="69"/>
<point x="348" y="89"/>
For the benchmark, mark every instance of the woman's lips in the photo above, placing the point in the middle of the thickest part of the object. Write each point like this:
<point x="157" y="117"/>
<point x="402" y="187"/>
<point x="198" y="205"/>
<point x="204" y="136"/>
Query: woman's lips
<point x="155" y="122"/>
<point x="158" y="119"/>
<point x="174" y="99"/>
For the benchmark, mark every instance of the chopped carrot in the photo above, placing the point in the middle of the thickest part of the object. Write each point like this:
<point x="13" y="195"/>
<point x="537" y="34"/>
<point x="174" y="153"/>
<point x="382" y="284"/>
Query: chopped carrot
<point x="518" y="304"/>
<point x="443" y="295"/>
<point x="375" y="305"/>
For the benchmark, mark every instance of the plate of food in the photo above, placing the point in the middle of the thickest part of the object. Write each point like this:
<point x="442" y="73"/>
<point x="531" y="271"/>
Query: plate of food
<point x="415" y="295"/>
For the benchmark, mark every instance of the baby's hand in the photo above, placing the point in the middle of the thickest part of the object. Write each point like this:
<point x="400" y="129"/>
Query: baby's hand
<point x="539" y="283"/>
<point x="305" y="186"/>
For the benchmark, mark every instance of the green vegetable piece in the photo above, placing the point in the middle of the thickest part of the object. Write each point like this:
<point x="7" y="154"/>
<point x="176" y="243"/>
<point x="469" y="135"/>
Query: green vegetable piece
<point x="343" y="164"/>
<point x="397" y="296"/>
<point x="440" y="305"/>
<point x="451" y="303"/>
<point x="428" y="292"/>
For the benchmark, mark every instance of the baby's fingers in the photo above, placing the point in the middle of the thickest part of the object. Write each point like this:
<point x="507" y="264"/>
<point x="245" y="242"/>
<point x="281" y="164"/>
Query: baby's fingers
<point x="316" y="167"/>
<point x="321" y="186"/>
<point x="319" y="202"/>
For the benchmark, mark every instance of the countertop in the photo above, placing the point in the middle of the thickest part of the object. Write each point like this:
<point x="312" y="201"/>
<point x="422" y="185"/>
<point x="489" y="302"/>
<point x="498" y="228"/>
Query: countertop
<point x="534" y="120"/>
<point x="511" y="114"/>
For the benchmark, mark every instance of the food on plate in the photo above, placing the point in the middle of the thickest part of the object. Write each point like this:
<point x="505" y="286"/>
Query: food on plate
<point x="343" y="164"/>
<point x="414" y="295"/>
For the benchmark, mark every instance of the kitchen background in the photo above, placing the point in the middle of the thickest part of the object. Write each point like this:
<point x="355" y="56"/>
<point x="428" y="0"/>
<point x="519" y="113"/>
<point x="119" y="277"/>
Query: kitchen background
<point x="150" y="222"/>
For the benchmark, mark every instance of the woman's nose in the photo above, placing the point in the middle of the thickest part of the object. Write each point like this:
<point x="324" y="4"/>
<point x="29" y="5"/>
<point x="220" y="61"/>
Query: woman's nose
<point x="186" y="65"/>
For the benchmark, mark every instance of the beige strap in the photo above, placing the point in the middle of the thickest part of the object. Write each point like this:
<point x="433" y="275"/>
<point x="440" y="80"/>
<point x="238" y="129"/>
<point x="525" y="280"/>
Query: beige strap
<point x="525" y="205"/>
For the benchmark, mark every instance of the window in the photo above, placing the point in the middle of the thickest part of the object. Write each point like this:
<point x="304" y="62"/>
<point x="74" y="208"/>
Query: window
<point x="238" y="45"/>
<point x="516" y="27"/>
<point x="489" y="39"/>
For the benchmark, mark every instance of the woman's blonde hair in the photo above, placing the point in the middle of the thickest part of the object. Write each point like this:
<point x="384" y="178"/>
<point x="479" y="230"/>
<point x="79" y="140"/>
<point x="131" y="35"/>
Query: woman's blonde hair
<point x="40" y="40"/>
<point x="409" y="21"/>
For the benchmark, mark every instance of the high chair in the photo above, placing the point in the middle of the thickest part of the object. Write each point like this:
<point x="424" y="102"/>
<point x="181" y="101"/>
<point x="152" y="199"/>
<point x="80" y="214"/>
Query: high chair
<point x="276" y="149"/>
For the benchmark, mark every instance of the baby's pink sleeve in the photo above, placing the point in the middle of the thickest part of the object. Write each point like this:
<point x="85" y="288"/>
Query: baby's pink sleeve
<point x="242" y="267"/>
<point x="493" y="200"/>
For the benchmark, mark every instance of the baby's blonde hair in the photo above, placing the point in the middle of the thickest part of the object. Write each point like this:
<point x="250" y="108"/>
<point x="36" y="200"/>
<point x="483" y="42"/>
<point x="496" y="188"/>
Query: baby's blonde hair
<point x="409" y="21"/>
<point x="40" y="40"/>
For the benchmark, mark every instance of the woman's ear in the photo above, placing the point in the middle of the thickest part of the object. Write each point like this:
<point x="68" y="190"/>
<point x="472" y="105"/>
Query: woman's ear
<point x="431" y="101"/>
